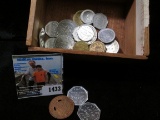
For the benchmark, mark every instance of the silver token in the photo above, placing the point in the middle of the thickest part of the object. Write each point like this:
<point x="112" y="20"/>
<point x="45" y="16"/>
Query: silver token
<point x="100" y="21"/>
<point x="112" y="47"/>
<point x="64" y="41"/>
<point x="106" y="35"/>
<point x="75" y="35"/>
<point x="87" y="16"/>
<point x="50" y="43"/>
<point x="89" y="111"/>
<point x="78" y="94"/>
<point x="51" y="28"/>
<point x="85" y="32"/>
<point x="41" y="37"/>
<point x="94" y="37"/>
<point x="66" y="27"/>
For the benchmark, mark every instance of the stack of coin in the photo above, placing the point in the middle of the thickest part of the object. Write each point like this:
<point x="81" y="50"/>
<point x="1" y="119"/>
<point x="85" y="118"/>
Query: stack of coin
<point x="77" y="19"/>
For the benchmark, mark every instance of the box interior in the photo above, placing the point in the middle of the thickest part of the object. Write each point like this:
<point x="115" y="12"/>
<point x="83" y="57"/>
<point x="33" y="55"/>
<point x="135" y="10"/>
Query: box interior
<point x="121" y="16"/>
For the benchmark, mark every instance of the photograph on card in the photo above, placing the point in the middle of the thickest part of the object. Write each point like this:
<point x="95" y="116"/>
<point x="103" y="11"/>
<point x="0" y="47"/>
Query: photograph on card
<point x="38" y="74"/>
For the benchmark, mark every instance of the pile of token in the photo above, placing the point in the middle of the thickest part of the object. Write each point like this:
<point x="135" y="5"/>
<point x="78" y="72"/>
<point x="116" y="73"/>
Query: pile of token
<point x="87" y="31"/>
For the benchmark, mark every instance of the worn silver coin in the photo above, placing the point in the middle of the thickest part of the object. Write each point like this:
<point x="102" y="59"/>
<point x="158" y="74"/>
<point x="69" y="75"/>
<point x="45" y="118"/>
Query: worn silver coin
<point x="41" y="37"/>
<point x="51" y="28"/>
<point x="66" y="27"/>
<point x="85" y="32"/>
<point x="64" y="41"/>
<point x="100" y="21"/>
<point x="75" y="34"/>
<point x="106" y="35"/>
<point x="50" y="43"/>
<point x="87" y="16"/>
<point x="112" y="47"/>
<point x="89" y="111"/>
<point x="78" y="94"/>
<point x="94" y="38"/>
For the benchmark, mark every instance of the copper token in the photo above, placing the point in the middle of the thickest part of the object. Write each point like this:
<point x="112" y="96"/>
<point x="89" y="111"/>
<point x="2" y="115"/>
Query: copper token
<point x="61" y="107"/>
<point x="97" y="46"/>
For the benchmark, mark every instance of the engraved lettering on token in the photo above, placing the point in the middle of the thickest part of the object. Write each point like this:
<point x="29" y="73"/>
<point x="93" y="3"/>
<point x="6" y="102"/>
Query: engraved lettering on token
<point x="81" y="45"/>
<point x="97" y="46"/>
<point x="89" y="111"/>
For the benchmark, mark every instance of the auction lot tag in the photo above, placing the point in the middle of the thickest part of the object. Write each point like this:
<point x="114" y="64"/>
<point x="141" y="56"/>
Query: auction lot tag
<point x="51" y="89"/>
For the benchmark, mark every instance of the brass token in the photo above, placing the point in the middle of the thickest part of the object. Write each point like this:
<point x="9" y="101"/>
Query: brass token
<point x="61" y="107"/>
<point x="81" y="45"/>
<point x="97" y="46"/>
<point x="77" y="19"/>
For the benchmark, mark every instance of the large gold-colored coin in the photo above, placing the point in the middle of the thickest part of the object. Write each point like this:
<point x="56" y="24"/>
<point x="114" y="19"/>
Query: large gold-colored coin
<point x="77" y="19"/>
<point x="97" y="46"/>
<point x="81" y="45"/>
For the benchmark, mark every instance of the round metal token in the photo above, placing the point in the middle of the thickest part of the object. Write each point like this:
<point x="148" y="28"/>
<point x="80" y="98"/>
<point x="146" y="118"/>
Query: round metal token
<point x="87" y="16"/>
<point x="50" y="43"/>
<point x="77" y="19"/>
<point x="66" y="27"/>
<point x="61" y="107"/>
<point x="89" y="111"/>
<point x="75" y="34"/>
<point x="106" y="35"/>
<point x="95" y="35"/>
<point x="51" y="28"/>
<point x="81" y="45"/>
<point x="97" y="46"/>
<point x="112" y="47"/>
<point x="78" y="94"/>
<point x="64" y="41"/>
<point x="41" y="37"/>
<point x="100" y="21"/>
<point x="85" y="32"/>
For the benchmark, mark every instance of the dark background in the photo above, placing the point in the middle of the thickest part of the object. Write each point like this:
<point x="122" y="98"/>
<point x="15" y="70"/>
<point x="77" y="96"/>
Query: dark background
<point x="124" y="89"/>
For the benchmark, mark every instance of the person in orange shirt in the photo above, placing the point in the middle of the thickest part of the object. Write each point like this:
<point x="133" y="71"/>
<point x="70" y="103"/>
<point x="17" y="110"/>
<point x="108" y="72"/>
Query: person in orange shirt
<point x="40" y="75"/>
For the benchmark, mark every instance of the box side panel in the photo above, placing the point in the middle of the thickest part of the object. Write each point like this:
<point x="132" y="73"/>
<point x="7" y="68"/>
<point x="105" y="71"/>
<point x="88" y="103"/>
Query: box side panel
<point x="142" y="24"/>
<point x="31" y="22"/>
<point x="130" y="31"/>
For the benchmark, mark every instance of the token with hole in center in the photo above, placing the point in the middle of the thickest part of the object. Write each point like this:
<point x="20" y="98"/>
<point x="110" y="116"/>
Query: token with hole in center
<point x="61" y="107"/>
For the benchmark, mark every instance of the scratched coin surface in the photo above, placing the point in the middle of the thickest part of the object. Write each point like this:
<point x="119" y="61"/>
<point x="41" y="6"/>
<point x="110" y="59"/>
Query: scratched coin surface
<point x="97" y="46"/>
<point x="89" y="111"/>
<point x="81" y="45"/>
<point x="66" y="27"/>
<point x="77" y="19"/>
<point x="51" y="28"/>
<point x="41" y="37"/>
<point x="64" y="41"/>
<point x="112" y="47"/>
<point x="106" y="35"/>
<point x="50" y="43"/>
<point x="78" y="94"/>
